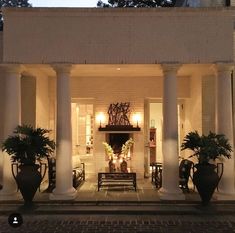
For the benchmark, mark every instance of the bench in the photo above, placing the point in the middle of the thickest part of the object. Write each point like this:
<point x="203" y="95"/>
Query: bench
<point x="184" y="174"/>
<point x="116" y="179"/>
<point x="157" y="174"/>
<point x="78" y="174"/>
<point x="186" y="170"/>
<point x="78" y="170"/>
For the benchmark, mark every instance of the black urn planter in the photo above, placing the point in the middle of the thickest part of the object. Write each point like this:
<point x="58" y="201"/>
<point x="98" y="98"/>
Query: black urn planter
<point x="206" y="180"/>
<point x="28" y="180"/>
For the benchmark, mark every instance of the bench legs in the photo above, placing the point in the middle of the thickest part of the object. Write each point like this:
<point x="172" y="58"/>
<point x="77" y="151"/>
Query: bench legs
<point x="102" y="179"/>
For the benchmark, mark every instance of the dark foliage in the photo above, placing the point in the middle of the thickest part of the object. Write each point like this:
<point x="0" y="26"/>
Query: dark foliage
<point x="28" y="144"/>
<point x="137" y="3"/>
<point x="207" y="147"/>
<point x="12" y="3"/>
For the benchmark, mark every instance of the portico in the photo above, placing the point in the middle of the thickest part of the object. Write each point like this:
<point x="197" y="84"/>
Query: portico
<point x="89" y="70"/>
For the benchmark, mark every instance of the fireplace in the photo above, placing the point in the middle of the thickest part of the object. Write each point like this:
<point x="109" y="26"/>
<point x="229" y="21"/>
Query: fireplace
<point x="116" y="140"/>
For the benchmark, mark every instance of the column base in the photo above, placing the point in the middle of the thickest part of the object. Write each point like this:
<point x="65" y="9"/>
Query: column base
<point x="224" y="196"/>
<point x="10" y="196"/>
<point x="69" y="195"/>
<point x="171" y="195"/>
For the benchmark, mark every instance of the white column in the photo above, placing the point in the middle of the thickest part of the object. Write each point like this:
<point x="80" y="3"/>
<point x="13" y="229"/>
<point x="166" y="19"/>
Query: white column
<point x="12" y="118"/>
<point x="64" y="188"/>
<point x="170" y="184"/>
<point x="224" y="125"/>
<point x="146" y="139"/>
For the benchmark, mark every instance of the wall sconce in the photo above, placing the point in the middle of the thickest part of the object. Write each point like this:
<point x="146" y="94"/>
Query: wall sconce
<point x="100" y="118"/>
<point x="137" y="119"/>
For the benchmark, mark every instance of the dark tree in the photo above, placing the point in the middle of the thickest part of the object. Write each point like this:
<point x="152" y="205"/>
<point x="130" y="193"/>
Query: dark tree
<point x="137" y="3"/>
<point x="12" y="3"/>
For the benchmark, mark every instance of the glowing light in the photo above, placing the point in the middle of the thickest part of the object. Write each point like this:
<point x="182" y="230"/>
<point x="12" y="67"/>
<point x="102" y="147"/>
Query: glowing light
<point x="100" y="118"/>
<point x="137" y="118"/>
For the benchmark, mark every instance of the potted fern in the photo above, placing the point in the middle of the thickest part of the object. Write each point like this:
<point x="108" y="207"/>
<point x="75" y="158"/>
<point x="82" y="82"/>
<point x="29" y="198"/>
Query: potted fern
<point x="206" y="148"/>
<point x="27" y="146"/>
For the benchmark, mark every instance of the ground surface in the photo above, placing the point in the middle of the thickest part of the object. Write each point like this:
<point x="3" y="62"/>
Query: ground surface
<point x="121" y="223"/>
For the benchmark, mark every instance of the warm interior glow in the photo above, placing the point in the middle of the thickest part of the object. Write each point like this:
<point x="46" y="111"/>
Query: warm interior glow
<point x="100" y="118"/>
<point x="137" y="118"/>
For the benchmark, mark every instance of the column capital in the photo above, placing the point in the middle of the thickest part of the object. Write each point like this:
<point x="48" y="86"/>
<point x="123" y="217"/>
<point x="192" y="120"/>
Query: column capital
<point x="170" y="68"/>
<point x="223" y="67"/>
<point x="12" y="68"/>
<point x="62" y="68"/>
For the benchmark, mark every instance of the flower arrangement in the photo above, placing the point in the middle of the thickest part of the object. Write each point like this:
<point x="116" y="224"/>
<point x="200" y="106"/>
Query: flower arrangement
<point x="108" y="150"/>
<point x="126" y="147"/>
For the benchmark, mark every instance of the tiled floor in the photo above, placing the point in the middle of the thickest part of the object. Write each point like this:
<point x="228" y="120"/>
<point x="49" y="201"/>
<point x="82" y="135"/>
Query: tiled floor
<point x="87" y="191"/>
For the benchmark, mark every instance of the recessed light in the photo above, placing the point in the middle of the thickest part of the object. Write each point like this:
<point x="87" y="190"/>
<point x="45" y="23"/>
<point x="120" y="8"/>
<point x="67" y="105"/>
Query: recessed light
<point x="118" y="68"/>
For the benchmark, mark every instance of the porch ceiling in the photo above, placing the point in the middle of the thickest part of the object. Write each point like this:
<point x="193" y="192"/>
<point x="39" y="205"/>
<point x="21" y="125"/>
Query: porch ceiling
<point x="120" y="70"/>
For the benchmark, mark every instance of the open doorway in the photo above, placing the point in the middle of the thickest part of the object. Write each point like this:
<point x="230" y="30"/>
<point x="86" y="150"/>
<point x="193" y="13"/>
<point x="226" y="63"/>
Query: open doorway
<point x="82" y="129"/>
<point x="156" y="129"/>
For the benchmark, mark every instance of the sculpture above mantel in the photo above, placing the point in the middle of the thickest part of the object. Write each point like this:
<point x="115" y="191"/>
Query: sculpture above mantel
<point x="119" y="114"/>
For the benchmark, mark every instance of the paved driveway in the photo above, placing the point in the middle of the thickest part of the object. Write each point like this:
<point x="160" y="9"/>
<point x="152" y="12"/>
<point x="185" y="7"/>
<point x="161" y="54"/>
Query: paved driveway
<point x="121" y="223"/>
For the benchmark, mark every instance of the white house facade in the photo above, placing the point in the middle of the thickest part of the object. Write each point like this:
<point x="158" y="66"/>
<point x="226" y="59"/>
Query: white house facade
<point x="61" y="69"/>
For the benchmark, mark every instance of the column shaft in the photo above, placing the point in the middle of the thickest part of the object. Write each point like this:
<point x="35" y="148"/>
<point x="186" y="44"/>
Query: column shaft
<point x="12" y="118"/>
<point x="64" y="189"/>
<point x="170" y="184"/>
<point x="225" y="126"/>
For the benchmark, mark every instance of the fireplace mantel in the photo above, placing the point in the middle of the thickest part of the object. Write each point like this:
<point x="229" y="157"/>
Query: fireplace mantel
<point x="119" y="128"/>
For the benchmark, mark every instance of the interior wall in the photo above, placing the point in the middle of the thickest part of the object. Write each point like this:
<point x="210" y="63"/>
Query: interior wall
<point x="28" y="100"/>
<point x="208" y="104"/>
<point x="193" y="118"/>
<point x="193" y="108"/>
<point x="2" y="94"/>
<point x="52" y="106"/>
<point x="42" y="102"/>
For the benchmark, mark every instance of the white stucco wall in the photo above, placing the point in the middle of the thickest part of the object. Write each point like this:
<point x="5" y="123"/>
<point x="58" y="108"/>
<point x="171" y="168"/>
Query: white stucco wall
<point x="193" y="108"/>
<point x="42" y="102"/>
<point x="196" y="103"/>
<point x="28" y="100"/>
<point x="208" y="104"/>
<point x="2" y="93"/>
<point x="186" y="35"/>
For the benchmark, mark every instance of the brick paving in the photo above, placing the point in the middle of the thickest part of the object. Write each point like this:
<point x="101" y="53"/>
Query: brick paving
<point x="89" y="213"/>
<point x="121" y="224"/>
